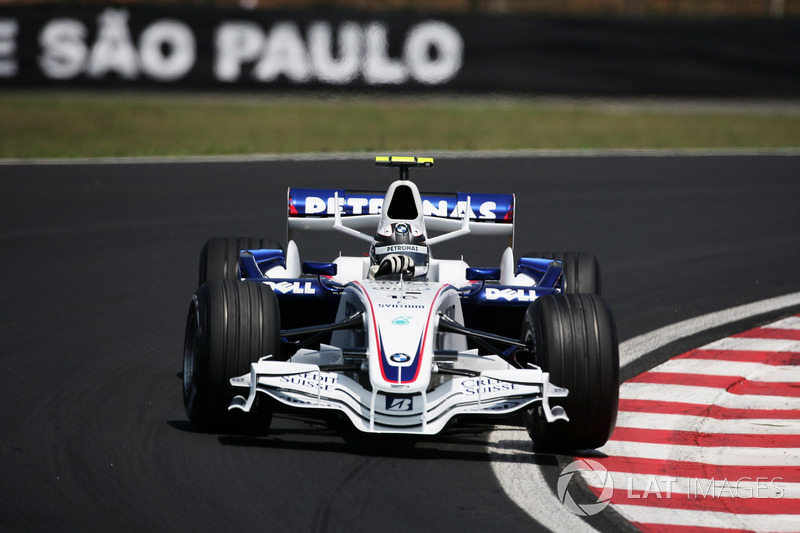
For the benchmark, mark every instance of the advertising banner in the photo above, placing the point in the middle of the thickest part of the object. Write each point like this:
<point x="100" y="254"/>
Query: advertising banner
<point x="206" y="48"/>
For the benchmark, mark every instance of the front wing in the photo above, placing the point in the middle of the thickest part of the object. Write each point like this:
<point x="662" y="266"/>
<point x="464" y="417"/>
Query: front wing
<point x="493" y="392"/>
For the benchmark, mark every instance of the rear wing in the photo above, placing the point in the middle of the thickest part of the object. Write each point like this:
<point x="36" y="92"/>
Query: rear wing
<point x="315" y="209"/>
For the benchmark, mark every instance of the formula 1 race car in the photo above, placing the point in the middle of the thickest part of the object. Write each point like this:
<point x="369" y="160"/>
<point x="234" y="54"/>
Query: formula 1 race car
<point x="398" y="341"/>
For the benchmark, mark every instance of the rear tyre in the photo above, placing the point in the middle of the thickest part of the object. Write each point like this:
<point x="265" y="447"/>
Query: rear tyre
<point x="581" y="271"/>
<point x="219" y="258"/>
<point x="231" y="324"/>
<point x="574" y="339"/>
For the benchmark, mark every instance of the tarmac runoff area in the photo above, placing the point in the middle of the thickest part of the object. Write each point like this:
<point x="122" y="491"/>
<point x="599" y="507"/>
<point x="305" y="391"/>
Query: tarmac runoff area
<point x="708" y="439"/>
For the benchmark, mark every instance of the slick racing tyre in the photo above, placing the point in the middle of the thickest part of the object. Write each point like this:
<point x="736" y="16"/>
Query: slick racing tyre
<point x="231" y="324"/>
<point x="581" y="271"/>
<point x="573" y="337"/>
<point x="219" y="258"/>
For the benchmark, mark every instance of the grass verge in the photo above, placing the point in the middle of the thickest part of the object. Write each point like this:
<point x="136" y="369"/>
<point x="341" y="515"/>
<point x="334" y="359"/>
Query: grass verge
<point x="44" y="125"/>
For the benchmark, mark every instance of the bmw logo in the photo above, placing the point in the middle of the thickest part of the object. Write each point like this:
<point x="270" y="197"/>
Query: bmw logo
<point x="399" y="358"/>
<point x="401" y="229"/>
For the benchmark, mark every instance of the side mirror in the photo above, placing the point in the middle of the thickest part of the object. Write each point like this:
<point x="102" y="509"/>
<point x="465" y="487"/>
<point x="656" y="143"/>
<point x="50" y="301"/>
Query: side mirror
<point x="483" y="274"/>
<point x="545" y="272"/>
<point x="254" y="263"/>
<point x="319" y="269"/>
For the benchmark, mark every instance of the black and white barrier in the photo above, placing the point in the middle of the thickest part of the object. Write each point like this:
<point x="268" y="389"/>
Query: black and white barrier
<point x="141" y="46"/>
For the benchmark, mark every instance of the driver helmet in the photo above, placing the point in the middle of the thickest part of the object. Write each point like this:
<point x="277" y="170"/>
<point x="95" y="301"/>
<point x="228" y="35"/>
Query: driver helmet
<point x="394" y="246"/>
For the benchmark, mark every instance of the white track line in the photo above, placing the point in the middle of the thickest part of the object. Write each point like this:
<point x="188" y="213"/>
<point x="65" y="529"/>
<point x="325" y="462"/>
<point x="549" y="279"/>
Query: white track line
<point x="633" y="349"/>
<point x="523" y="480"/>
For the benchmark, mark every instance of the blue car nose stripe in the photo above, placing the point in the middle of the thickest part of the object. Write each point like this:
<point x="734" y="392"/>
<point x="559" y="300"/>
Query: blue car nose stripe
<point x="404" y="374"/>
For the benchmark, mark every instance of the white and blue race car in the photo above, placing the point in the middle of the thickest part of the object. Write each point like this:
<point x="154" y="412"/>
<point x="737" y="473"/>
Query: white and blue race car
<point x="399" y="341"/>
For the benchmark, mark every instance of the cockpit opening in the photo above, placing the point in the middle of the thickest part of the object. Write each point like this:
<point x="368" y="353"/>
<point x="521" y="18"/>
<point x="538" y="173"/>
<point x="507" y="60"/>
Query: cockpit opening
<point x="403" y="206"/>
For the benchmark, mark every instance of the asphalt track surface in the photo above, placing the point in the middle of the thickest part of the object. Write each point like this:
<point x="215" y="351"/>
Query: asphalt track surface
<point x="100" y="262"/>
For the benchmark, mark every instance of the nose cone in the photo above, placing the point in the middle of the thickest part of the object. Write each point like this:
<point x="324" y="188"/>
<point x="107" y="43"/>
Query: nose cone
<point x="401" y="335"/>
<point x="401" y="360"/>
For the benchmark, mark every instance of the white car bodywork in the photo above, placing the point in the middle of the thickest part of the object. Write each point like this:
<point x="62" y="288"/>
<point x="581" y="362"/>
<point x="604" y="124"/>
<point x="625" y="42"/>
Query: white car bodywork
<point x="399" y="370"/>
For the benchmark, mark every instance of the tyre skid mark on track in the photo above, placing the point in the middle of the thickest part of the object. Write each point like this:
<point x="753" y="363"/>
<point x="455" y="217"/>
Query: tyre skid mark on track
<point x="743" y="356"/>
<point x="753" y="371"/>
<point x="731" y="384"/>
<point x="709" y="411"/>
<point x="734" y="426"/>
<point x="709" y="396"/>
<point x="696" y="470"/>
<point x="699" y="438"/>
<point x="686" y="476"/>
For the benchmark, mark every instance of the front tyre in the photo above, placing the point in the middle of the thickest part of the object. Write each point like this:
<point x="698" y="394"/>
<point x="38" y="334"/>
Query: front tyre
<point x="231" y="324"/>
<point x="574" y="338"/>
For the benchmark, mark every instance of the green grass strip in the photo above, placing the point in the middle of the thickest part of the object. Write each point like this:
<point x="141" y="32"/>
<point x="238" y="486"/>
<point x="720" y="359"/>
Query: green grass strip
<point x="45" y="125"/>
